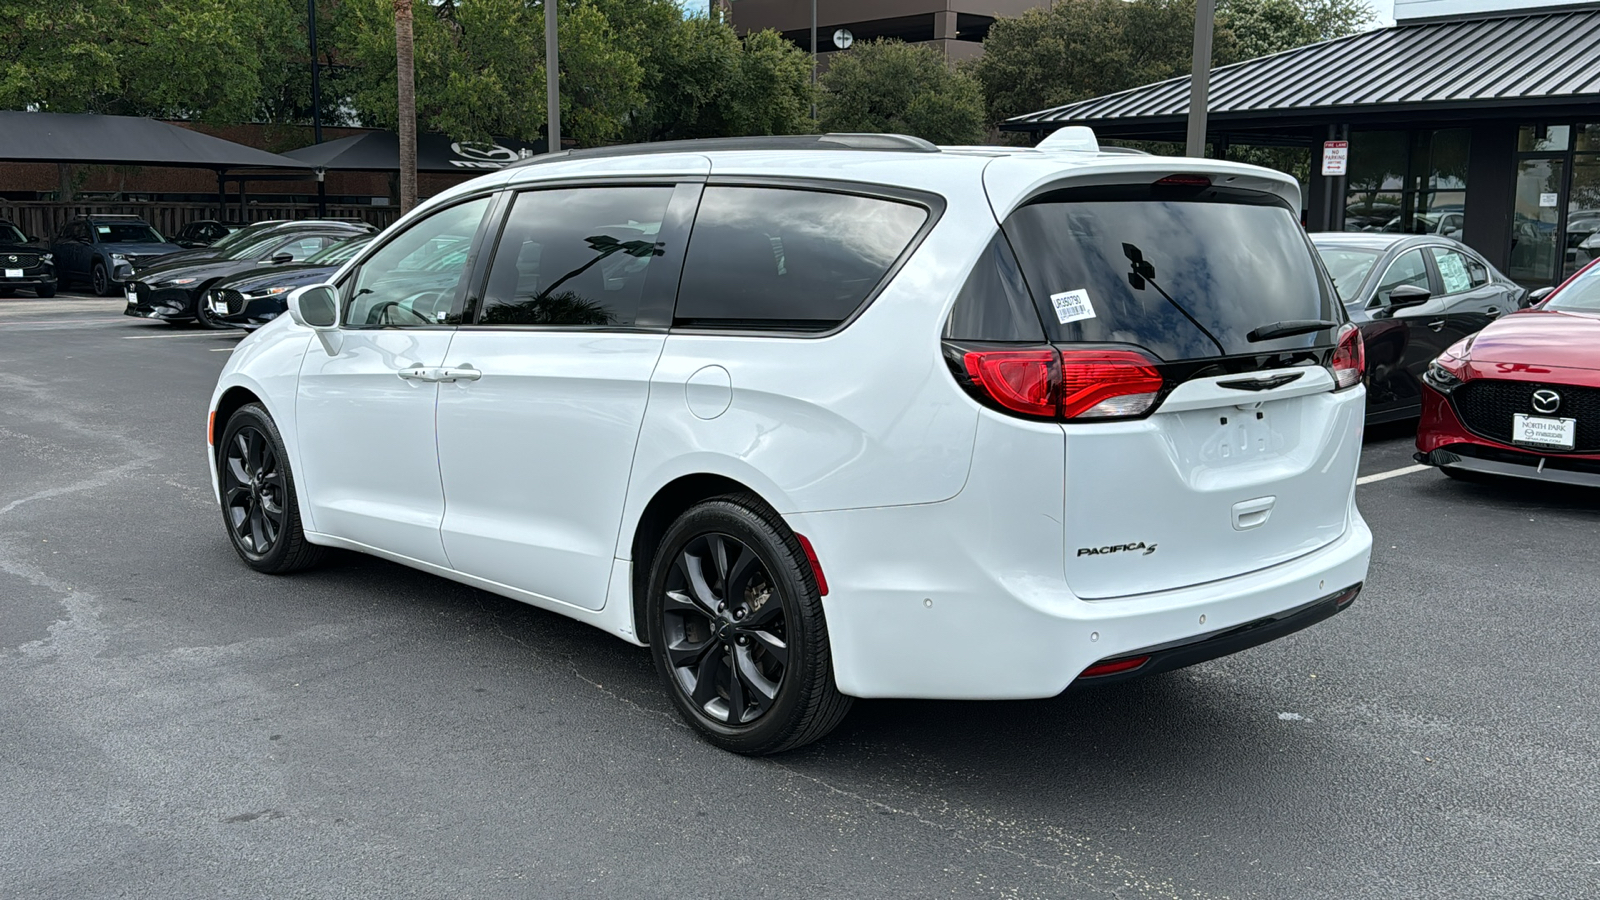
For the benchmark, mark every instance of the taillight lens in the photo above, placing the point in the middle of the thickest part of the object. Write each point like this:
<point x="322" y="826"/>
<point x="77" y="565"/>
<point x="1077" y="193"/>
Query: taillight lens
<point x="1024" y="381"/>
<point x="1350" y="359"/>
<point x="1105" y="383"/>
<point x="1067" y="384"/>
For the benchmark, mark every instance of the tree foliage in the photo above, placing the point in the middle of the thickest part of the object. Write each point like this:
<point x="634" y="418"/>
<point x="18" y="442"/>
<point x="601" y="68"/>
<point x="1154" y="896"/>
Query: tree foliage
<point x="1078" y="49"/>
<point x="905" y="88"/>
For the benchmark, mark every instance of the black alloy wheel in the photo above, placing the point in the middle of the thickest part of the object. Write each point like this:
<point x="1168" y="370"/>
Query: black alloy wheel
<point x="100" y="281"/>
<point x="737" y="629"/>
<point x="203" y="313"/>
<point x="258" y="495"/>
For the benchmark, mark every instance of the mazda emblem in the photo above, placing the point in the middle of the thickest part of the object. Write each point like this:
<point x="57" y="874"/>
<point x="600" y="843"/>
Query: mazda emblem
<point x="1546" y="401"/>
<point x="11" y="258"/>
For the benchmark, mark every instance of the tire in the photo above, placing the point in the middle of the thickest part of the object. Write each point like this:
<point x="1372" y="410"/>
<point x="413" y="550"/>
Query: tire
<point x="772" y="632"/>
<point x="100" y="280"/>
<point x="45" y="293"/>
<point x="254" y="474"/>
<point x="204" y="316"/>
<point x="7" y="292"/>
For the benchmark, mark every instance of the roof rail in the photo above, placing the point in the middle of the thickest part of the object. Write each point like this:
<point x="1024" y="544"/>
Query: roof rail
<point x="897" y="142"/>
<point x="1124" y="151"/>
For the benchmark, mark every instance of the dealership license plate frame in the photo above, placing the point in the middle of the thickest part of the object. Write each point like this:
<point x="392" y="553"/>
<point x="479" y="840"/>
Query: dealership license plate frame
<point x="1549" y="433"/>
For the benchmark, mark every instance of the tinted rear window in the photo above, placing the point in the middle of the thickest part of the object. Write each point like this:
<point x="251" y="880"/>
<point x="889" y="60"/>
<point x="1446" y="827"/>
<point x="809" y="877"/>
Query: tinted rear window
<point x="788" y="259"/>
<point x="1182" y="278"/>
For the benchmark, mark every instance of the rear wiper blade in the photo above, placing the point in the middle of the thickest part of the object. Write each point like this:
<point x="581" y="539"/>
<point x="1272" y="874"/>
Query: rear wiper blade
<point x="1289" y="328"/>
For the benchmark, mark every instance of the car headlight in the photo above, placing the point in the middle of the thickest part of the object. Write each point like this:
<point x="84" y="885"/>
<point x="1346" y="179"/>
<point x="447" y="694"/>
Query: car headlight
<point x="268" y="292"/>
<point x="47" y="257"/>
<point x="119" y="258"/>
<point x="1440" y="378"/>
<point x="183" y="281"/>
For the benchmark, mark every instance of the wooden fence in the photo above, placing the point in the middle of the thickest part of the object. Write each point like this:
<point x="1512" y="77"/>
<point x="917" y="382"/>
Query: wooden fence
<point x="43" y="219"/>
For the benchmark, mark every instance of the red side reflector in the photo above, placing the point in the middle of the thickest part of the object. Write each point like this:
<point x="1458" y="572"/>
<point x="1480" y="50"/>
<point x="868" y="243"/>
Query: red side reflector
<point x="1112" y="667"/>
<point x="1196" y="181"/>
<point x="1023" y="381"/>
<point x="816" y="565"/>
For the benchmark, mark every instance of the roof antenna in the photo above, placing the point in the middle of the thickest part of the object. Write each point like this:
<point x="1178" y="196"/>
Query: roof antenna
<point x="1073" y="137"/>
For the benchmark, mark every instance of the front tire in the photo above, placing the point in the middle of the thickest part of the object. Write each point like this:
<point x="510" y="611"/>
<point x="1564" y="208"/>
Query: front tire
<point x="737" y="629"/>
<point x="205" y="317"/>
<point x="44" y="293"/>
<point x="100" y="280"/>
<point x="259" y="504"/>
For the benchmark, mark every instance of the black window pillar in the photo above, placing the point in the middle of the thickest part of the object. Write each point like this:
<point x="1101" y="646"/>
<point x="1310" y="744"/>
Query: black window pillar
<point x="1491" y="191"/>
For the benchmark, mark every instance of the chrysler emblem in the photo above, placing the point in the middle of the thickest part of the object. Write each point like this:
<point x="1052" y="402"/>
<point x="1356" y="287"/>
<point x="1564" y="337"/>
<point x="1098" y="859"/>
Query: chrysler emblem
<point x="1546" y="401"/>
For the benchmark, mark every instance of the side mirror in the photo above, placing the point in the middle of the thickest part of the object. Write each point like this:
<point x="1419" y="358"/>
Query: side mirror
<point x="1538" y="296"/>
<point x="1408" y="295"/>
<point x="282" y="256"/>
<point x="316" y="306"/>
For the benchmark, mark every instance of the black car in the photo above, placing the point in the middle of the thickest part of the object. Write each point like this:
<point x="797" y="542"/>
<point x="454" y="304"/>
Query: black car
<point x="256" y="230"/>
<point x="171" y="291"/>
<point x="1412" y="296"/>
<point x="254" y="298"/>
<point x="24" y="264"/>
<point x="95" y="248"/>
<point x="204" y="233"/>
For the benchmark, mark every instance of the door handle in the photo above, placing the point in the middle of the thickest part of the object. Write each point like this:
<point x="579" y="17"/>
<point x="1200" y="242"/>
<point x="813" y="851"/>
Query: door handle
<point x="419" y="373"/>
<point x="463" y="372"/>
<point x="1437" y="326"/>
<point x="1493" y="312"/>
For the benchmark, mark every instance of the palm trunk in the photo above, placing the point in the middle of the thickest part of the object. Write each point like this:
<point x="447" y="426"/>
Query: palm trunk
<point x="408" y="105"/>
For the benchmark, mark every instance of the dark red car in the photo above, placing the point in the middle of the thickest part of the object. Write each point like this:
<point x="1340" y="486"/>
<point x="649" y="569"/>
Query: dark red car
<point x="1521" y="398"/>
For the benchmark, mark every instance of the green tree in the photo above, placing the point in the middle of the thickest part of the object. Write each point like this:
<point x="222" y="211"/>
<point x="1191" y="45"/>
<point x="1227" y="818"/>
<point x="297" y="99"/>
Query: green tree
<point x="903" y="88"/>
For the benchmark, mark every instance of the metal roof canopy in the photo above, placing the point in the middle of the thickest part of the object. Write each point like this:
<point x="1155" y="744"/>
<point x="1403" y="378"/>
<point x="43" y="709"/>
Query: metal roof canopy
<point x="123" y="140"/>
<point x="1504" y="65"/>
<point x="379" y="151"/>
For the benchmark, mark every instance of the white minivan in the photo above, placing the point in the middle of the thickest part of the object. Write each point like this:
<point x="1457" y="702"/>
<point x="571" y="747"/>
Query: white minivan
<point x="825" y="417"/>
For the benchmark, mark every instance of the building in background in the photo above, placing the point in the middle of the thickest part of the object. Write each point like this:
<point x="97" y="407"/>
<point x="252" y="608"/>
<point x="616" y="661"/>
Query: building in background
<point x="1479" y="123"/>
<point x="956" y="27"/>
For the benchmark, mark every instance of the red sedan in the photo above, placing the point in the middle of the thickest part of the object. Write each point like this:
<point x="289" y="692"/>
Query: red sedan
<point x="1521" y="398"/>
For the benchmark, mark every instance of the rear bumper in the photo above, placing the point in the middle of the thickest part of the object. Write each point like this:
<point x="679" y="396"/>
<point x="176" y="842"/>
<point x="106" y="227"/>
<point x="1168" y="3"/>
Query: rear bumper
<point x="912" y="613"/>
<point x="1443" y="441"/>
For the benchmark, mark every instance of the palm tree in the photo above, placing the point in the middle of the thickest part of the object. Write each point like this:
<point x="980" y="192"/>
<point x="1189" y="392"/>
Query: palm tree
<point x="404" y="67"/>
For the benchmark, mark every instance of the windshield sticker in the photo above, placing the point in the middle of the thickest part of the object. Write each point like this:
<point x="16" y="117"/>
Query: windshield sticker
<point x="1072" y="306"/>
<point x="103" y="229"/>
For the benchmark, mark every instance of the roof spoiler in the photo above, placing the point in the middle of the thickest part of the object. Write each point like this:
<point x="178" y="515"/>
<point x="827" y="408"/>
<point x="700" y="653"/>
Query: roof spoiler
<point x="1080" y="138"/>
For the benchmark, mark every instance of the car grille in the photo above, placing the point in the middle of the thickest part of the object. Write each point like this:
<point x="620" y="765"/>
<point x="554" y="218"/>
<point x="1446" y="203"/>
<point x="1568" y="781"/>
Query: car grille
<point x="1486" y="407"/>
<point x="231" y="297"/>
<point x="19" y="260"/>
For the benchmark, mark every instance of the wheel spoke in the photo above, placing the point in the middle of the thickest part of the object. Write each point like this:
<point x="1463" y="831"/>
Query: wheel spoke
<point x="253" y="452"/>
<point x="694" y="568"/>
<point x="237" y="470"/>
<point x="258" y="529"/>
<point x="719" y="559"/>
<point x="681" y="602"/>
<point x="705" y="678"/>
<point x="756" y="688"/>
<point x="736" y="693"/>
<point x="738" y="575"/>
<point x="767" y="614"/>
<point x="771" y="644"/>
<point x="683" y="654"/>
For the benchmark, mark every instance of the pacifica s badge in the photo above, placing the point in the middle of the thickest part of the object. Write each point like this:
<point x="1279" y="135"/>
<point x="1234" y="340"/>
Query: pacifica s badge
<point x="1118" y="548"/>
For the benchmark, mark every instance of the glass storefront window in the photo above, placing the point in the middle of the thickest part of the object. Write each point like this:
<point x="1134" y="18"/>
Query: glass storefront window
<point x="1583" y="213"/>
<point x="1543" y="138"/>
<point x="1535" y="215"/>
<point x="1588" y="138"/>
<point x="1408" y="181"/>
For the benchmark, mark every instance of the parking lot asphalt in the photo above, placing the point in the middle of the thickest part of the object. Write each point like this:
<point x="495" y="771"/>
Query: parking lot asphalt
<point x="173" y="724"/>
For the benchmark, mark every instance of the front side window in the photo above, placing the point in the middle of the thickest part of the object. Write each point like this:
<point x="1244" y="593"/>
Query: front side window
<point x="788" y="259"/>
<point x="1409" y="269"/>
<point x="576" y="257"/>
<point x="340" y="251"/>
<point x="414" y="278"/>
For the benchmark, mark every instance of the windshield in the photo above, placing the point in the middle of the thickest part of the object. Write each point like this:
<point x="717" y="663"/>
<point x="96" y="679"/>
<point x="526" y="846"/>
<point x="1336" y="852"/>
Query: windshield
<point x="127" y="233"/>
<point x="1347" y="268"/>
<point x="243" y="234"/>
<point x="1581" y="294"/>
<point x="10" y="235"/>
<point x="1184" y="279"/>
<point x="333" y="254"/>
<point x="250" y="249"/>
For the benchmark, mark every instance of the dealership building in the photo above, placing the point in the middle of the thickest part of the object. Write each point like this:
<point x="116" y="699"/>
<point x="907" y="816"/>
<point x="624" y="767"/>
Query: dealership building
<point x="955" y="27"/>
<point x="1478" y="119"/>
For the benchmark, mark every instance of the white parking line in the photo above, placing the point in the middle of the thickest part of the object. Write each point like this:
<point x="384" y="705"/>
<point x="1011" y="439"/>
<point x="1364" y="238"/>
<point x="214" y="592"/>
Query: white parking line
<point x="223" y="349"/>
<point x="1393" y="473"/>
<point x="155" y="337"/>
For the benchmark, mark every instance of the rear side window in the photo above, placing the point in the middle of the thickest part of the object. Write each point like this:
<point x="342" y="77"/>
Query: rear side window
<point x="994" y="304"/>
<point x="788" y="259"/>
<point x="575" y="257"/>
<point x="1182" y="278"/>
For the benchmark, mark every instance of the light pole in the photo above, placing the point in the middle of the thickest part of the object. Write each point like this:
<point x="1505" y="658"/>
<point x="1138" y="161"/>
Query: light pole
<point x="1200" y="77"/>
<point x="813" y="59"/>
<point x="552" y="80"/>
<point x="316" y="81"/>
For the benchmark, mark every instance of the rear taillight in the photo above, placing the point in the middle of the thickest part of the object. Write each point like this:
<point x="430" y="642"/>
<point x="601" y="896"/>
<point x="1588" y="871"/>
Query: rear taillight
<point x="1066" y="384"/>
<point x="1350" y="359"/>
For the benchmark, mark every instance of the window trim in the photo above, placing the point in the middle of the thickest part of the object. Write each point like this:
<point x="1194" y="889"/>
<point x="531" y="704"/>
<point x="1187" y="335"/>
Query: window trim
<point x="452" y="319"/>
<point x="932" y="203"/>
<point x="660" y="290"/>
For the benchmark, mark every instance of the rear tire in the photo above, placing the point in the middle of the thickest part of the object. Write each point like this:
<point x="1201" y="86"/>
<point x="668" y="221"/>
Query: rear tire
<point x="260" y="507"/>
<point x="100" y="280"/>
<point x="737" y="629"/>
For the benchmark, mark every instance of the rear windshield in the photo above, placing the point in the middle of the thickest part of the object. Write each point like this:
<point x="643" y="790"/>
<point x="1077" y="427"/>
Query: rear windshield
<point x="1182" y="278"/>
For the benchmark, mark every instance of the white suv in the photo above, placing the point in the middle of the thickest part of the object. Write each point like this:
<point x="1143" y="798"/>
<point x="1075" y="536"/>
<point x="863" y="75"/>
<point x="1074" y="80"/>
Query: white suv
<point x="817" y="418"/>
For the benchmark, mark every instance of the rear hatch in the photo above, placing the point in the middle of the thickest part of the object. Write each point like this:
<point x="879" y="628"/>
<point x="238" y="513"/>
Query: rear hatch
<point x="1205" y="431"/>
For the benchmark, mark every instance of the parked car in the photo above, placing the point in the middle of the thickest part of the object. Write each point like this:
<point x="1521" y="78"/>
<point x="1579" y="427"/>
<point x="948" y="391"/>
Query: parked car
<point x="24" y="264"/>
<point x="255" y="297"/>
<point x="973" y="424"/>
<point x="1521" y="398"/>
<point x="91" y="248"/>
<point x="171" y="291"/>
<point x="1413" y="296"/>
<point x="204" y="233"/>
<point x="256" y="230"/>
